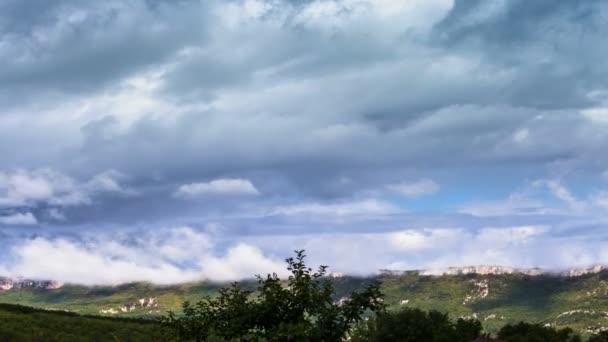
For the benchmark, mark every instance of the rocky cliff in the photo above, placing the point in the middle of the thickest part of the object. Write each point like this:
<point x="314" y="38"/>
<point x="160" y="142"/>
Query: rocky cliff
<point x="21" y="283"/>
<point x="496" y="270"/>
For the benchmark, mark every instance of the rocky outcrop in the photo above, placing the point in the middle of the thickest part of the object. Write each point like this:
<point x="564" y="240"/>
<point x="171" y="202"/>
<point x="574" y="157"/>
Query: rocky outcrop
<point x="481" y="290"/>
<point x="7" y="284"/>
<point x="582" y="271"/>
<point x="497" y="270"/>
<point x="488" y="317"/>
<point x="482" y="270"/>
<point x="144" y="305"/>
<point x="110" y="311"/>
<point x="584" y="312"/>
<point x="151" y="302"/>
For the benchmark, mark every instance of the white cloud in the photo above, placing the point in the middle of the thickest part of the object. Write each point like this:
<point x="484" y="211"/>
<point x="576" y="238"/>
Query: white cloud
<point x="600" y="199"/>
<point x="32" y="187"/>
<point x="240" y="261"/>
<point x="521" y="135"/>
<point x="181" y="244"/>
<point x="21" y="186"/>
<point x="67" y="261"/>
<point x="514" y="235"/>
<point x="218" y="186"/>
<point x="415" y="189"/>
<point x="342" y="210"/>
<point x="106" y="182"/>
<point x="561" y="192"/>
<point x="409" y="239"/>
<point x="415" y="15"/>
<point x="596" y="115"/>
<point x="517" y="203"/>
<point x="184" y="254"/>
<point x="412" y="240"/>
<point x="157" y="257"/>
<point x="435" y="239"/>
<point x="429" y="248"/>
<point x="19" y="219"/>
<point x="56" y="214"/>
<point x="536" y="199"/>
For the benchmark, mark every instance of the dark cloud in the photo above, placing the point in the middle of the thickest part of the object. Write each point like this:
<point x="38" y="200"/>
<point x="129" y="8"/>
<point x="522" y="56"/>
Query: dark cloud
<point x="552" y="49"/>
<point x="65" y="48"/>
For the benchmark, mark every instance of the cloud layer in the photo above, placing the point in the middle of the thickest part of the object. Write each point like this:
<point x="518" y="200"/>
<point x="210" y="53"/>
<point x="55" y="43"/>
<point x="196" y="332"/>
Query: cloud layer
<point x="276" y="120"/>
<point x="184" y="254"/>
<point x="181" y="255"/>
<point x="216" y="186"/>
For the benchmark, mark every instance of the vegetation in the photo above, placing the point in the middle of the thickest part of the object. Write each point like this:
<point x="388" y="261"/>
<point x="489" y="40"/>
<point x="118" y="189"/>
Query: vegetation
<point x="302" y="309"/>
<point x="91" y="300"/>
<point x="310" y="306"/>
<point x="415" y="325"/>
<point x="307" y="307"/>
<point x="525" y="332"/>
<point x="580" y="303"/>
<point x="19" y="323"/>
<point x="600" y="337"/>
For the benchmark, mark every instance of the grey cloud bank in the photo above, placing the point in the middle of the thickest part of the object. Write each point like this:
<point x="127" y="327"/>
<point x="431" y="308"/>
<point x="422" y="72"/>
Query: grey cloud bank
<point x="310" y="124"/>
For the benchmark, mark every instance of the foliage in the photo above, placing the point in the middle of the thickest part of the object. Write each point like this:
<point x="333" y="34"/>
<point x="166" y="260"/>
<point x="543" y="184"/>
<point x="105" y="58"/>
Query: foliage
<point x="526" y="332"/>
<point x="19" y="323"/>
<point x="300" y="309"/>
<point x="599" y="337"/>
<point x="414" y="325"/>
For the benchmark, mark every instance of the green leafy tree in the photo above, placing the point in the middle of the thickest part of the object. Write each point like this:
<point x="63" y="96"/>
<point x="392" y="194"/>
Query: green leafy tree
<point x="302" y="308"/>
<point x="526" y="332"/>
<point x="599" y="337"/>
<point x="415" y="325"/>
<point x="467" y="329"/>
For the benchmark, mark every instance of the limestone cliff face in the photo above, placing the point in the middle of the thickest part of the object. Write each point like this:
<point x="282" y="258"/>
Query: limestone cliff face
<point x="482" y="270"/>
<point x="7" y="283"/>
<point x="581" y="271"/>
<point x="496" y="269"/>
<point x="21" y="283"/>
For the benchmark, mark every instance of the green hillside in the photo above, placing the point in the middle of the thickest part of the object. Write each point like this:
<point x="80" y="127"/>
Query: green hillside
<point x="19" y="323"/>
<point x="579" y="302"/>
<point x="94" y="300"/>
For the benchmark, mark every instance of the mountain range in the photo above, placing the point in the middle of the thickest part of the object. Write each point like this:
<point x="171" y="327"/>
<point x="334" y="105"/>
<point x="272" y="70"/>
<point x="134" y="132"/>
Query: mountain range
<point x="495" y="295"/>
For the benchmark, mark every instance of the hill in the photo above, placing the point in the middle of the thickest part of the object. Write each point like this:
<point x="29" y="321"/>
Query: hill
<point x="579" y="301"/>
<point x="19" y="323"/>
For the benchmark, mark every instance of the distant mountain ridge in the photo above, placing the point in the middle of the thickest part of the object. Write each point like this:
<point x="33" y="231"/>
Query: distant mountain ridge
<point x="498" y="270"/>
<point x="21" y="283"/>
<point x="8" y="283"/>
<point x="496" y="295"/>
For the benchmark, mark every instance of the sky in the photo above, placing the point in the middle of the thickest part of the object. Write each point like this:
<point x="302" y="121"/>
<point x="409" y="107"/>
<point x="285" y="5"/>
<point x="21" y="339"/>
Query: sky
<point x="174" y="141"/>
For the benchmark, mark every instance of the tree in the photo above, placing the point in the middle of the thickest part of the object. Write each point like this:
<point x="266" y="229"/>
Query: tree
<point x="526" y="332"/>
<point x="415" y="325"/>
<point x="467" y="329"/>
<point x="301" y="308"/>
<point x="599" y="337"/>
